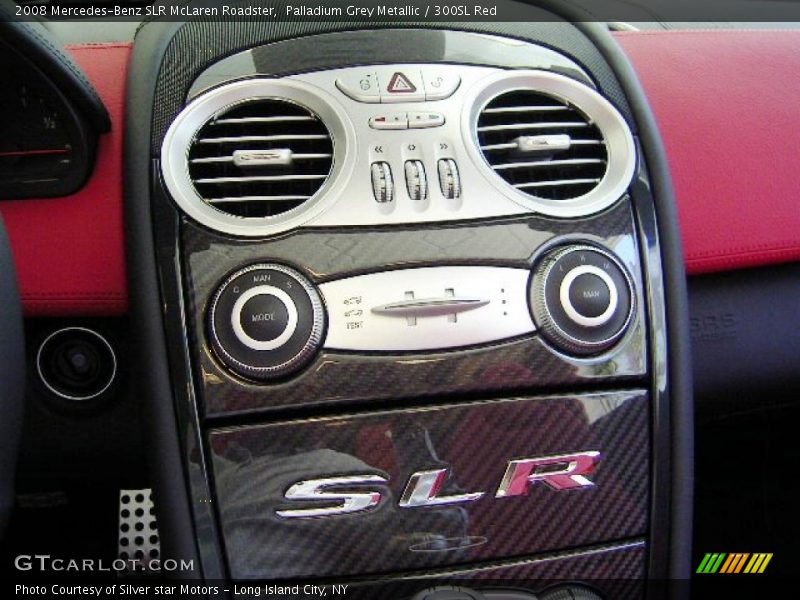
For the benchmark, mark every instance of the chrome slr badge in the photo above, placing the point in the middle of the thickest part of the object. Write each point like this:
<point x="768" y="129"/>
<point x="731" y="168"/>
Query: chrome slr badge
<point x="352" y="493"/>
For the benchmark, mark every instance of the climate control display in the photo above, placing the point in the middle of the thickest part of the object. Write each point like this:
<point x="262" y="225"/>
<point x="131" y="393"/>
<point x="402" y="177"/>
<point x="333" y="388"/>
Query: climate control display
<point x="427" y="308"/>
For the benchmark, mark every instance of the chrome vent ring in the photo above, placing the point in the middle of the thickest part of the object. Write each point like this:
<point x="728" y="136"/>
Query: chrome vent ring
<point x="555" y="144"/>
<point x="542" y="145"/>
<point x="260" y="158"/>
<point x="255" y="157"/>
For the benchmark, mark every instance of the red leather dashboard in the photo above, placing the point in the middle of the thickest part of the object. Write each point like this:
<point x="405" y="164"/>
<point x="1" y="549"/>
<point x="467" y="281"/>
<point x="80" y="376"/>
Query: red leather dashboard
<point x="728" y="107"/>
<point x="726" y="103"/>
<point x="69" y="252"/>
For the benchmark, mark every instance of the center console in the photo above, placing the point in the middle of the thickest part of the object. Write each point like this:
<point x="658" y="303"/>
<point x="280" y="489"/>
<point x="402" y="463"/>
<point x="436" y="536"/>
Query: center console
<point x="403" y="296"/>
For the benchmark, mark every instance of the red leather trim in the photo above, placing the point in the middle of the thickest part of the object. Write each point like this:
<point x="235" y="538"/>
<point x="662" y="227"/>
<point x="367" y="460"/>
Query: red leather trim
<point x="726" y="102"/>
<point x="69" y="252"/>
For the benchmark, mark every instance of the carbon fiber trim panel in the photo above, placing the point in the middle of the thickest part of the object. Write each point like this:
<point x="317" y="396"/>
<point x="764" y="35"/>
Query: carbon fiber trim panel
<point x="521" y="365"/>
<point x="614" y="571"/>
<point x="253" y="467"/>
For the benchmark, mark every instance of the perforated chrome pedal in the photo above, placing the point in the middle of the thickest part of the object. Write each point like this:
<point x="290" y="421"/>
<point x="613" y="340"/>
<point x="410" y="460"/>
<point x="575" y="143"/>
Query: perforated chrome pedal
<point x="139" y="544"/>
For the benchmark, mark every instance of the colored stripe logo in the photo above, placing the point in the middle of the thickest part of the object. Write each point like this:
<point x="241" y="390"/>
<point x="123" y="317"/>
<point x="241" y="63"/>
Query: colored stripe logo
<point x="738" y="562"/>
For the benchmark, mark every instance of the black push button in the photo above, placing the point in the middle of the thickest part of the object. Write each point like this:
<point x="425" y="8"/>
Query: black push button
<point x="589" y="295"/>
<point x="264" y="317"/>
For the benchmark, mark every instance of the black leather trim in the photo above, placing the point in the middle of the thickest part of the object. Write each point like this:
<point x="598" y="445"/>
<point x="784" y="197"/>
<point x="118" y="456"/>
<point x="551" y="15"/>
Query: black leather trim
<point x="176" y="526"/>
<point x="34" y="41"/>
<point x="746" y="336"/>
<point x="12" y="376"/>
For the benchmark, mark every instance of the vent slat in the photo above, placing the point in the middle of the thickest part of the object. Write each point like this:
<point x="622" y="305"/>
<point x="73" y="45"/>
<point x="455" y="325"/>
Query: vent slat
<point x="256" y="199"/>
<point x="254" y="178"/>
<point x="559" y="183"/>
<point x="261" y="188"/>
<point x="544" y="125"/>
<point x="523" y="109"/>
<point x="250" y="120"/>
<point x="229" y="159"/>
<point x="260" y="138"/>
<point x="548" y="162"/>
<point x="513" y="145"/>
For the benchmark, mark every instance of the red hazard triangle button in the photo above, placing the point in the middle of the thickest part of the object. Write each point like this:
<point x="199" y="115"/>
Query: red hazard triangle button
<point x="400" y="84"/>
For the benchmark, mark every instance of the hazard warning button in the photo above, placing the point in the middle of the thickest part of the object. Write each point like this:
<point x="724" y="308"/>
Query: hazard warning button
<point x="401" y="85"/>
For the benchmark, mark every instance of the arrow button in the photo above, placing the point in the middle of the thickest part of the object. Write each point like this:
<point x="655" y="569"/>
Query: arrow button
<point x="389" y="121"/>
<point x="424" y="120"/>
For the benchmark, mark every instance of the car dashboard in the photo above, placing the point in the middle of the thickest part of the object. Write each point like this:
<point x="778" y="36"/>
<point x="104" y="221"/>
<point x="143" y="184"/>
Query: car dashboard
<point x="420" y="276"/>
<point x="403" y="305"/>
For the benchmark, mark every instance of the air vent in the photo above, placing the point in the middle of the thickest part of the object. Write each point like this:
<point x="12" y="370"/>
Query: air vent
<point x="541" y="145"/>
<point x="261" y="158"/>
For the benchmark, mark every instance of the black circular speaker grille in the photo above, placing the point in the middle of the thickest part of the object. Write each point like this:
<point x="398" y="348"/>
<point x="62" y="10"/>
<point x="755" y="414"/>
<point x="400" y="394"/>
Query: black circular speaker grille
<point x="76" y="363"/>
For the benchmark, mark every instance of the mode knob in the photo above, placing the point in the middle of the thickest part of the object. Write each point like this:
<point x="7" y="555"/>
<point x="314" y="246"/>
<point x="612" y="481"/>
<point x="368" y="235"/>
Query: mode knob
<point x="582" y="299"/>
<point x="266" y="321"/>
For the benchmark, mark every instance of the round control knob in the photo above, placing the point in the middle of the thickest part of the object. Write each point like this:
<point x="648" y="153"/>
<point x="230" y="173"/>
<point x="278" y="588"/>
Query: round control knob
<point x="266" y="321"/>
<point x="582" y="299"/>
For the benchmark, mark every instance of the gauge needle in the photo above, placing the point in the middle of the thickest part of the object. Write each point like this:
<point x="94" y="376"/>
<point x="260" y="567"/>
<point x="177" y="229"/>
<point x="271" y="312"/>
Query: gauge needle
<point x="33" y="152"/>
